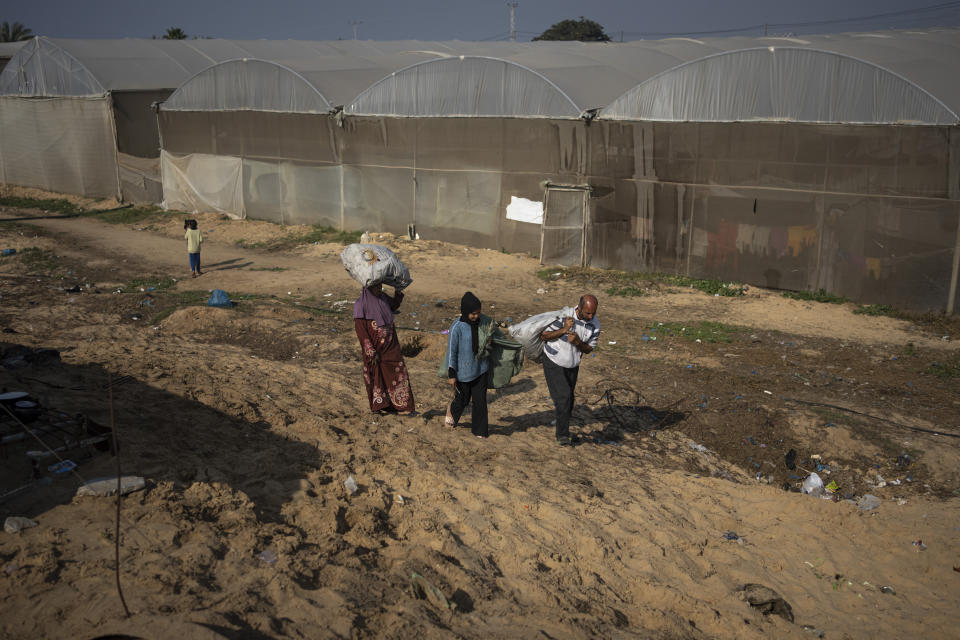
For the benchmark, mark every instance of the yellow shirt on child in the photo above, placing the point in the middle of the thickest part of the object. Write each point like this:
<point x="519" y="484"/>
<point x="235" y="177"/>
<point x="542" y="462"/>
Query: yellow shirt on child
<point x="194" y="239"/>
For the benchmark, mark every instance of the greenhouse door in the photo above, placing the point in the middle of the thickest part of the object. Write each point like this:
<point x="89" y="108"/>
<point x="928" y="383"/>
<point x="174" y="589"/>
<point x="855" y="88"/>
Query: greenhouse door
<point x="563" y="232"/>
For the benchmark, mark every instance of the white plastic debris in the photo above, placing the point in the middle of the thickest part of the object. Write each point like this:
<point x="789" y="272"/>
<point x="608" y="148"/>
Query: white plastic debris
<point x="868" y="502"/>
<point x="351" y="485"/>
<point x="813" y="485"/>
<point x="104" y="487"/>
<point x="15" y="524"/>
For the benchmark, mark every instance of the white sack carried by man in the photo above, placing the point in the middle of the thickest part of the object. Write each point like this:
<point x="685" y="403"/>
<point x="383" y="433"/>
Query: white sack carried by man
<point x="527" y="333"/>
<point x="371" y="264"/>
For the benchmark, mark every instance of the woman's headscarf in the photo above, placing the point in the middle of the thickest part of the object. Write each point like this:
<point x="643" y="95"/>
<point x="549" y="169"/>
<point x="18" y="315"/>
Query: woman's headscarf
<point x="468" y="304"/>
<point x="373" y="307"/>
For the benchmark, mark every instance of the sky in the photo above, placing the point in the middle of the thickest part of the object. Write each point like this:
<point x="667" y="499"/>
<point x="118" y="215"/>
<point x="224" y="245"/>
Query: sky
<point x="474" y="20"/>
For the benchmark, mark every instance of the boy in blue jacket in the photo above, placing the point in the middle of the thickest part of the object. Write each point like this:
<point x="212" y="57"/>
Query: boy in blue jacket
<point x="468" y="364"/>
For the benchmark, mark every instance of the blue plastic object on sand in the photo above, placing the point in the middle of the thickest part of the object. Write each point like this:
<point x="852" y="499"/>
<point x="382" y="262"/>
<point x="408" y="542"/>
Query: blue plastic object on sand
<point x="62" y="467"/>
<point x="219" y="299"/>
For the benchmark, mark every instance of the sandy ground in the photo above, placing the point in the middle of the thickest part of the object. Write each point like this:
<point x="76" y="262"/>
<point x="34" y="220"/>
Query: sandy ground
<point x="246" y="422"/>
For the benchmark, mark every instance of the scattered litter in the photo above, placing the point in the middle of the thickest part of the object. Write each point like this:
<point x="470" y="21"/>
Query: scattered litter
<point x="15" y="524"/>
<point x="64" y="466"/>
<point x="868" y="502"/>
<point x="351" y="485"/>
<point x="817" y="633"/>
<point x="269" y="556"/>
<point x="104" y="487"/>
<point x="889" y="590"/>
<point x="445" y="331"/>
<point x="730" y="535"/>
<point x="218" y="298"/>
<point x="698" y="447"/>
<point x="920" y="546"/>
<point x="833" y="487"/>
<point x="813" y="485"/>
<point x="612" y="342"/>
<point x="541" y="291"/>
<point x="327" y="295"/>
<point x="8" y="252"/>
<point x="769" y="393"/>
<point x="399" y="499"/>
<point x="790" y="459"/>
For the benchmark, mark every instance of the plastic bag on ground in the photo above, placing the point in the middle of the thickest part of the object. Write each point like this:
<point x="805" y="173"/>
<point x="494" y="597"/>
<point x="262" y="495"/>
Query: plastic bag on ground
<point x="219" y="299"/>
<point x="813" y="485"/>
<point x="527" y="333"/>
<point x="371" y="264"/>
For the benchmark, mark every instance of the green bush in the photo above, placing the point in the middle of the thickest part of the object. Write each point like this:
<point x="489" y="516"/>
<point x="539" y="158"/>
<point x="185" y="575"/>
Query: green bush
<point x="876" y="310"/>
<point x="704" y="331"/>
<point x="820" y="295"/>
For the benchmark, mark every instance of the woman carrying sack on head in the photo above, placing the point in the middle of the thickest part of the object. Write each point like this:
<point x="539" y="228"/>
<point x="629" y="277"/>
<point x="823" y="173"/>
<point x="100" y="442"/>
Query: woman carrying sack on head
<point x="468" y="364"/>
<point x="384" y="372"/>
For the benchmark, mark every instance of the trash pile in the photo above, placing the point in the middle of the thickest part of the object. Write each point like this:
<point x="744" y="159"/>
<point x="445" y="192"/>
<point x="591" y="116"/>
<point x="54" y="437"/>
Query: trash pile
<point x="814" y="480"/>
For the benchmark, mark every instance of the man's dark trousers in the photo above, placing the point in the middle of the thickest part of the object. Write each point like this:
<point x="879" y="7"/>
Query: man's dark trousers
<point x="561" y="383"/>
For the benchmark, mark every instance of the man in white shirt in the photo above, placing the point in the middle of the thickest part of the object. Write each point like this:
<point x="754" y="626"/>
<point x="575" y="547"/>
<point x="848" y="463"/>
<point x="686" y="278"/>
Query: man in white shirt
<point x="566" y="340"/>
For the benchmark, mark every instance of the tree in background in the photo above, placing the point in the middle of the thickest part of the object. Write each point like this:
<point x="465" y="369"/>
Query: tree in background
<point x="14" y="32"/>
<point x="583" y="30"/>
<point x="175" y="33"/>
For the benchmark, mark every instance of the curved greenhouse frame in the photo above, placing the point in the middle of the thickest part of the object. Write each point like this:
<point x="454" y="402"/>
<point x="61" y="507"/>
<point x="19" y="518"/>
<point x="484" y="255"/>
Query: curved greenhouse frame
<point x="781" y="84"/>
<point x="43" y="68"/>
<point x="471" y="86"/>
<point x="248" y="85"/>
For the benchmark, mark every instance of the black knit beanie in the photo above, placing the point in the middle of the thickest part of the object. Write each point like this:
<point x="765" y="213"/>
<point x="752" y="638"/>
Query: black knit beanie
<point x="468" y="304"/>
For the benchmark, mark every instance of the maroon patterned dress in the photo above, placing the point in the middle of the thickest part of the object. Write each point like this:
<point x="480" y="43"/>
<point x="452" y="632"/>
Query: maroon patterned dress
<point x="384" y="372"/>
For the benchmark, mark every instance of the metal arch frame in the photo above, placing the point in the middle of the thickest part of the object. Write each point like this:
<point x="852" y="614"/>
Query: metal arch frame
<point x="29" y="53"/>
<point x="442" y="59"/>
<point x="772" y="49"/>
<point x="244" y="61"/>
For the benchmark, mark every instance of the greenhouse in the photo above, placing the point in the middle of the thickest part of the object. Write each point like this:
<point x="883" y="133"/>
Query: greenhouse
<point x="76" y="116"/>
<point x="823" y="162"/>
<point x="797" y="163"/>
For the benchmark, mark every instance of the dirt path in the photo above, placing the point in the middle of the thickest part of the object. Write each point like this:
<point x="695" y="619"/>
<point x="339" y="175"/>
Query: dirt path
<point x="247" y="421"/>
<point x="442" y="271"/>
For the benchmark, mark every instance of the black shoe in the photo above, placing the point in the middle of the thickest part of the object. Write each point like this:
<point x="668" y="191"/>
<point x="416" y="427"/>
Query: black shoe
<point x="564" y="442"/>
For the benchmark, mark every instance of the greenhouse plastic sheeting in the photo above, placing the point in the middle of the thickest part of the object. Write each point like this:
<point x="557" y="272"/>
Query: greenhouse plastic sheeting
<point x="203" y="183"/>
<point x="281" y="192"/>
<point x="41" y="68"/>
<point x="781" y="84"/>
<point x="465" y="86"/>
<point x="867" y="212"/>
<point x="59" y="144"/>
<point x="249" y="85"/>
